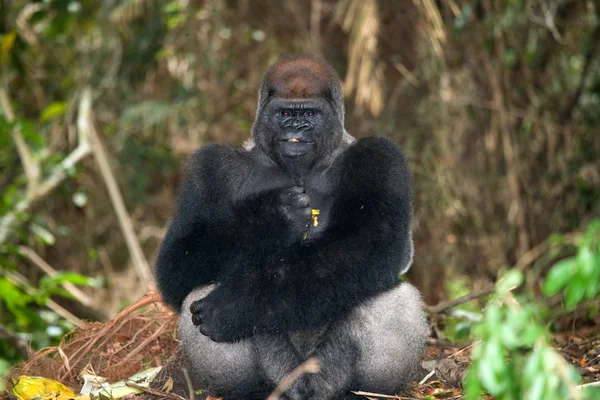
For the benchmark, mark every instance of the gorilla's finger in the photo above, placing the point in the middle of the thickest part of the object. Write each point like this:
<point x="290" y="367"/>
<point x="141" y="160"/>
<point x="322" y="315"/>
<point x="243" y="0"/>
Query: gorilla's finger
<point x="300" y="200"/>
<point x="196" y="307"/>
<point x="204" y="331"/>
<point x="196" y="319"/>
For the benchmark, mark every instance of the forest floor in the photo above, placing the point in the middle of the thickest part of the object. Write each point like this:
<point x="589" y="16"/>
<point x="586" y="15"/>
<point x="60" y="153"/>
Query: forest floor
<point x="144" y="336"/>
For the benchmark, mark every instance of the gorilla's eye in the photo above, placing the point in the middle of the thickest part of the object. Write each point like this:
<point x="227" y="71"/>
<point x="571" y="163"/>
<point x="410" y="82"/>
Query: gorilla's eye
<point x="309" y="113"/>
<point x="286" y="113"/>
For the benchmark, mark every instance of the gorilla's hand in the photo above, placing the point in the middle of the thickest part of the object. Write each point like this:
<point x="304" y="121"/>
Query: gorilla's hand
<point x="221" y="317"/>
<point x="293" y="204"/>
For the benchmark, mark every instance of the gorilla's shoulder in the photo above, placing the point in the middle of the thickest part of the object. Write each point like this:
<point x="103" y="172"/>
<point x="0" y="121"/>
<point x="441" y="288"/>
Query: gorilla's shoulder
<point x="217" y="163"/>
<point x="377" y="152"/>
<point x="217" y="154"/>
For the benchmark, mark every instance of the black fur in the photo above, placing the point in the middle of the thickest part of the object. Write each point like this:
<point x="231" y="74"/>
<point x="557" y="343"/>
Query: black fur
<point x="243" y="217"/>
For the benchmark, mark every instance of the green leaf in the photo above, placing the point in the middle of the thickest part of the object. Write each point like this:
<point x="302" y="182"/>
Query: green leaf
<point x="53" y="110"/>
<point x="533" y="366"/>
<point x="6" y="43"/>
<point x="537" y="388"/>
<point x="532" y="334"/>
<point x="511" y="280"/>
<point x="472" y="384"/>
<point x="13" y="297"/>
<point x="495" y="355"/>
<point x="489" y="377"/>
<point x="556" y="239"/>
<point x="492" y="317"/>
<point x="31" y="134"/>
<point x="509" y="336"/>
<point x="575" y="293"/>
<point x="559" y="276"/>
<point x="44" y="234"/>
<point x="71" y="277"/>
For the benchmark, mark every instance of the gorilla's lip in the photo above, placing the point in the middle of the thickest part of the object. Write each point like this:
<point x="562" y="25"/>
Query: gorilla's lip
<point x="295" y="149"/>
<point x="295" y="140"/>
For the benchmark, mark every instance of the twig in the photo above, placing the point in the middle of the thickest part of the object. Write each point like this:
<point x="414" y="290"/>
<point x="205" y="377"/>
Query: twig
<point x="385" y="396"/>
<point x="429" y="375"/>
<point x="536" y="252"/>
<point x="14" y="340"/>
<point x="310" y="366"/>
<point x="155" y="392"/>
<point x="443" y="306"/>
<point x="410" y="77"/>
<point x="464" y="349"/>
<point x="86" y="124"/>
<point x="144" y="343"/>
<point x="188" y="381"/>
<point x="592" y="384"/>
<point x="38" y="261"/>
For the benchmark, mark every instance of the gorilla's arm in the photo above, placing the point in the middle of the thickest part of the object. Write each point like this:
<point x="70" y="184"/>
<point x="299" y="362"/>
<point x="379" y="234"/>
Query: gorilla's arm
<point x="366" y="244"/>
<point x="212" y="233"/>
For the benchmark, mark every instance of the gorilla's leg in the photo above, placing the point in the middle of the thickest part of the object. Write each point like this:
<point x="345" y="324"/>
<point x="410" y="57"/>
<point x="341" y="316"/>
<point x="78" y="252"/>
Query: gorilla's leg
<point x="377" y="348"/>
<point x="243" y="370"/>
<point x="391" y="331"/>
<point x="277" y="357"/>
<point x="226" y="370"/>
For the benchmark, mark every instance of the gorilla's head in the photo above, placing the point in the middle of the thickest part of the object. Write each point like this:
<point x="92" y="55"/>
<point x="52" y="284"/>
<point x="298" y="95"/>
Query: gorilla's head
<point x="300" y="115"/>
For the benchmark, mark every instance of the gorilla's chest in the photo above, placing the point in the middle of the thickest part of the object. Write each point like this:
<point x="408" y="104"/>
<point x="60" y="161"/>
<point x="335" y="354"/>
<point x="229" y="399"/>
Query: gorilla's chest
<point x="318" y="187"/>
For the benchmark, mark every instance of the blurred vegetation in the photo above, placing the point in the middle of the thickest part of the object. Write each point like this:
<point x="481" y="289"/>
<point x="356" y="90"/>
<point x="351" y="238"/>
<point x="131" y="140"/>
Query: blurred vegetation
<point x="513" y="357"/>
<point x="496" y="103"/>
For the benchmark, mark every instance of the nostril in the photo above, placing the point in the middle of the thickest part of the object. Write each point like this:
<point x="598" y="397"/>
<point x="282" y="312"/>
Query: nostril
<point x="304" y="125"/>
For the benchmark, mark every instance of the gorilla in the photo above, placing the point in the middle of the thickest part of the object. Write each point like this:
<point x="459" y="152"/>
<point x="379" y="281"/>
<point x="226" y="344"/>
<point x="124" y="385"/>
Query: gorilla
<point x="291" y="247"/>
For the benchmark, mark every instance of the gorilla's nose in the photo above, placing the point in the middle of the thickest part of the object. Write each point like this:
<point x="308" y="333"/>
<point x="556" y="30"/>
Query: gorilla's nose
<point x="301" y="125"/>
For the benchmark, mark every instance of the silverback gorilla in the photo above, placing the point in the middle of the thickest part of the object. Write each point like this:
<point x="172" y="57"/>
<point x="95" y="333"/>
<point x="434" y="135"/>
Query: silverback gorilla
<point x="292" y="246"/>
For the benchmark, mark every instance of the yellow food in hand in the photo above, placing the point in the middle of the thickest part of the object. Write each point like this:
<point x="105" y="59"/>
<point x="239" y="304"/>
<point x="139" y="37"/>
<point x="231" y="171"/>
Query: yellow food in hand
<point x="314" y="215"/>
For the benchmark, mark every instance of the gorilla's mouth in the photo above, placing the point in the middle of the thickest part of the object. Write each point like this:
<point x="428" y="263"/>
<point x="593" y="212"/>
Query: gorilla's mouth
<point x="295" y="147"/>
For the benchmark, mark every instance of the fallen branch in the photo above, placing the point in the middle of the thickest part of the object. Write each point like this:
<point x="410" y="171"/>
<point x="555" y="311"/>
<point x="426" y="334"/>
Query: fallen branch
<point x="159" y="393"/>
<point x="443" y="306"/>
<point x="592" y="384"/>
<point x="385" y="396"/>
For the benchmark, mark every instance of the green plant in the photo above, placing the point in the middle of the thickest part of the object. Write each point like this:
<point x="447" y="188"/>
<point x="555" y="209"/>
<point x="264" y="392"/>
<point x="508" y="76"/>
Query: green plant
<point x="513" y="358"/>
<point x="26" y="314"/>
<point x="578" y="276"/>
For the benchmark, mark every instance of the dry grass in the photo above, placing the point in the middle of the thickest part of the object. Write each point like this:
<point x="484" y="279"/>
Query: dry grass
<point x="141" y="336"/>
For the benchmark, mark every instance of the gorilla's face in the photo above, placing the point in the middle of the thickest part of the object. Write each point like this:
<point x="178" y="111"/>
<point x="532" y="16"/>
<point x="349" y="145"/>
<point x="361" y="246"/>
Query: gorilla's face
<point x="299" y="127"/>
<point x="300" y="119"/>
<point x="298" y="132"/>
